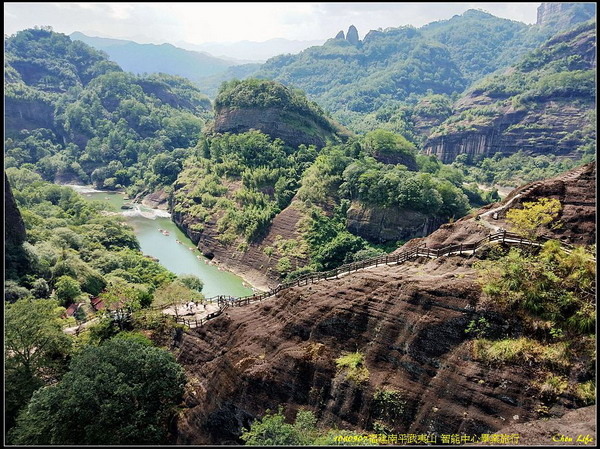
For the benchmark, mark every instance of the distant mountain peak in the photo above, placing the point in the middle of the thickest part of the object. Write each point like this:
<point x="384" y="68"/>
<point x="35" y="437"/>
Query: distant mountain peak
<point x="157" y="58"/>
<point x="352" y="35"/>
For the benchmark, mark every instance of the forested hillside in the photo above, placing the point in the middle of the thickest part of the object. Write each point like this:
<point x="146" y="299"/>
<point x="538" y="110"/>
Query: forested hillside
<point x="266" y="203"/>
<point x="75" y="115"/>
<point x="544" y="104"/>
<point x="277" y="110"/>
<point x="381" y="70"/>
<point x="352" y="151"/>
<point x="150" y="58"/>
<point x="375" y="81"/>
<point x="76" y="255"/>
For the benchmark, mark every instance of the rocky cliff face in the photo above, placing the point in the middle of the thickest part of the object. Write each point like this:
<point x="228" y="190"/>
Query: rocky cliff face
<point x="379" y="225"/>
<point x="291" y="127"/>
<point x="27" y="113"/>
<point x="352" y="35"/>
<point x="549" y="127"/>
<point x="576" y="191"/>
<point x="409" y="323"/>
<point x="573" y="424"/>
<point x="549" y="113"/>
<point x="252" y="263"/>
<point x="14" y="227"/>
<point x="564" y="15"/>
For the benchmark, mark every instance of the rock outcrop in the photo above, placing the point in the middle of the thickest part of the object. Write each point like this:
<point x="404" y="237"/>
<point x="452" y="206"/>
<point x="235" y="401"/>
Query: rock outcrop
<point x="408" y="321"/>
<point x="28" y="112"/>
<point x="292" y="128"/>
<point x="14" y="228"/>
<point x="340" y="35"/>
<point x="379" y="225"/>
<point x="274" y="109"/>
<point x="576" y="191"/>
<point x="564" y="15"/>
<point x="252" y="263"/>
<point x="569" y="430"/>
<point x="157" y="200"/>
<point x="352" y="35"/>
<point x="550" y="127"/>
<point x="494" y="118"/>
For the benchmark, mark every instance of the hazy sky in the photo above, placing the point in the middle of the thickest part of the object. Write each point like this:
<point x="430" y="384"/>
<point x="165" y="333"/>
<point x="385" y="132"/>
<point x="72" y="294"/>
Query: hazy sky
<point x="229" y="22"/>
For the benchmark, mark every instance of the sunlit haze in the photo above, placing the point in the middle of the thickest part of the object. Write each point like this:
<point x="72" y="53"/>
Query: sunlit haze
<point x="230" y="22"/>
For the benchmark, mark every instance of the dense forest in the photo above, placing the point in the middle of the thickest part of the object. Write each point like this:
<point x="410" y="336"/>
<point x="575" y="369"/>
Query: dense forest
<point x="77" y="116"/>
<point x="373" y="82"/>
<point x="240" y="182"/>
<point x="74" y="253"/>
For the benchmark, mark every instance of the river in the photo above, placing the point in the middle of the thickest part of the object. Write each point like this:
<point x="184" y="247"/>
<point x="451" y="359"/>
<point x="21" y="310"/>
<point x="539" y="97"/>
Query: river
<point x="180" y="258"/>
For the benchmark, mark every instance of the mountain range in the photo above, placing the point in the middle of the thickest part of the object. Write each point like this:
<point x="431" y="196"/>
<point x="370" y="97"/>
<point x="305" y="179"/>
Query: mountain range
<point x="151" y="58"/>
<point x="251" y="51"/>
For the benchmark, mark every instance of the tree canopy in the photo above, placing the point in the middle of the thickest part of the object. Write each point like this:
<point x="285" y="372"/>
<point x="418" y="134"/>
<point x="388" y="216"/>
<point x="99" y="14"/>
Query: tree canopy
<point x="122" y="392"/>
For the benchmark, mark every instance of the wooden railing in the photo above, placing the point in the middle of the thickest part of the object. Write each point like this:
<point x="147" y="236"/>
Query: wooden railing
<point x="196" y="322"/>
<point x="504" y="237"/>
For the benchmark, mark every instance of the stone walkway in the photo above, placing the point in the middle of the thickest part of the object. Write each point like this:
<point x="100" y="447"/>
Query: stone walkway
<point x="194" y="311"/>
<point x="490" y="213"/>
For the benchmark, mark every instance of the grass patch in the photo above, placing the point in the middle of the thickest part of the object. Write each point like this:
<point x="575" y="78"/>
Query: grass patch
<point x="521" y="350"/>
<point x="586" y="392"/>
<point x="354" y="363"/>
<point x="554" y="385"/>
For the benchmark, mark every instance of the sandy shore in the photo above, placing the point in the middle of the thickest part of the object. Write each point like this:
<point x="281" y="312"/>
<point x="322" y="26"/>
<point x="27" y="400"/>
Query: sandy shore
<point x="253" y="280"/>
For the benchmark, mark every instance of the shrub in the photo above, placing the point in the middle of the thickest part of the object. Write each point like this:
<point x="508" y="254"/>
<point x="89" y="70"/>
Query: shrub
<point x="67" y="289"/>
<point x="534" y="216"/>
<point x="272" y="430"/>
<point x="389" y="405"/>
<point x="586" y="392"/>
<point x="354" y="364"/>
<point x="521" y="351"/>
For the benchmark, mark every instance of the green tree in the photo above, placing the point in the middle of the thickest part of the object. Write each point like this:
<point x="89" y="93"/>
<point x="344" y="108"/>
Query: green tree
<point x="531" y="220"/>
<point x="120" y="293"/>
<point x="35" y="349"/>
<point x="191" y="281"/>
<point x="13" y="291"/>
<point x="272" y="430"/>
<point x="122" y="392"/>
<point x="67" y="289"/>
<point x="174" y="294"/>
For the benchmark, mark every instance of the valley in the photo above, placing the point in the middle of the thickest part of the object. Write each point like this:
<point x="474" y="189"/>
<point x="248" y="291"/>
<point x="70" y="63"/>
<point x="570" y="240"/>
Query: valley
<point x="175" y="251"/>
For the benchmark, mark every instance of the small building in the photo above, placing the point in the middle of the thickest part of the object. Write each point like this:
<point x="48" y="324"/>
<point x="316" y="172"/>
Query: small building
<point x="72" y="309"/>
<point x="97" y="304"/>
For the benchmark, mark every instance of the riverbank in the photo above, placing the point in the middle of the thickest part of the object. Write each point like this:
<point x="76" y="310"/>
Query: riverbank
<point x="160" y="238"/>
<point x="258" y="282"/>
<point x="156" y="200"/>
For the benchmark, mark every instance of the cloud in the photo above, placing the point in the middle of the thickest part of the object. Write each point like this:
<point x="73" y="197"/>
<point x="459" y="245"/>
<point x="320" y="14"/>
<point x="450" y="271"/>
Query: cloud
<point x="228" y="22"/>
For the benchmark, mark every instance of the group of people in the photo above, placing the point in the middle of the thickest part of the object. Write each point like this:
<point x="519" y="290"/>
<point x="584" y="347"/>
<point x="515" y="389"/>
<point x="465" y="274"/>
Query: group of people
<point x="192" y="307"/>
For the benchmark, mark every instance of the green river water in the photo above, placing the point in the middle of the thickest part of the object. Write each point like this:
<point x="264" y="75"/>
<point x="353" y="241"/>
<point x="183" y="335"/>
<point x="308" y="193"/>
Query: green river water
<point x="180" y="258"/>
